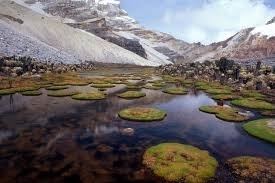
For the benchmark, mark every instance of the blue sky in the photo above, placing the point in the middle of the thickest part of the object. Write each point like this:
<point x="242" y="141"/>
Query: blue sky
<point x="203" y="21"/>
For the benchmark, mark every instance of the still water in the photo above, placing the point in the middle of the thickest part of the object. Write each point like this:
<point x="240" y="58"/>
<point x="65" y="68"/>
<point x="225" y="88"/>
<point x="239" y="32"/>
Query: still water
<point x="46" y="139"/>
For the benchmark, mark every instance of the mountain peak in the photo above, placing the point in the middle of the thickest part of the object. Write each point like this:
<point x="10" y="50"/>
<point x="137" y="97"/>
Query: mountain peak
<point x="271" y="21"/>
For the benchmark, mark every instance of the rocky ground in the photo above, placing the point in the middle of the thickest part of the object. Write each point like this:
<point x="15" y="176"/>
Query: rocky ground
<point x="14" y="43"/>
<point x="227" y="72"/>
<point x="26" y="66"/>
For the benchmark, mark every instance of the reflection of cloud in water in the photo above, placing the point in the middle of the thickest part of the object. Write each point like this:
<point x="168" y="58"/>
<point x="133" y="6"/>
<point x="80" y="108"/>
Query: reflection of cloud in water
<point x="100" y="130"/>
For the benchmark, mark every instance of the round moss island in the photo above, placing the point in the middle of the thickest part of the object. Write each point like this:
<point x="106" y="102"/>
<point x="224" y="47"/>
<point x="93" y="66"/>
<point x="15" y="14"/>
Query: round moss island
<point x="180" y="163"/>
<point x="8" y="91"/>
<point x="89" y="96"/>
<point x="262" y="128"/>
<point x="224" y="97"/>
<point x="218" y="91"/>
<point x="252" y="169"/>
<point x="132" y="95"/>
<point x="150" y="87"/>
<point x="62" y="93"/>
<point x="225" y="113"/>
<point x="253" y="104"/>
<point x="142" y="114"/>
<point x="31" y="93"/>
<point x="175" y="91"/>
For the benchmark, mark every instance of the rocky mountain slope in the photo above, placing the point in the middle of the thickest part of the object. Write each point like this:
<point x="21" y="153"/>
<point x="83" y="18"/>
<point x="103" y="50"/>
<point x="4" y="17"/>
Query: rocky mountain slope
<point x="36" y="31"/>
<point x="99" y="30"/>
<point x="248" y="45"/>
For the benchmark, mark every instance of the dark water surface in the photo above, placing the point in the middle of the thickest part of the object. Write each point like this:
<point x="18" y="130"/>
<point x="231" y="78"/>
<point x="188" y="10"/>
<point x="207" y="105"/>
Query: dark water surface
<point x="46" y="139"/>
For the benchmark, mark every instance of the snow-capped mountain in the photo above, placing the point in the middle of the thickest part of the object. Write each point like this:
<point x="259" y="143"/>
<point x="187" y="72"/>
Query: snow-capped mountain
<point x="249" y="44"/>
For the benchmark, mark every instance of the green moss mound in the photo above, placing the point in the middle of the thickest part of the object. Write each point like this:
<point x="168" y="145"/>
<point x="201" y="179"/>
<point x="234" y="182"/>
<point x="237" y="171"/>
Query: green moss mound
<point x="133" y="87"/>
<point x="142" y="114"/>
<point x="57" y="88"/>
<point x="89" y="96"/>
<point x="180" y="163"/>
<point x="32" y="93"/>
<point x="224" y="97"/>
<point x="62" y="93"/>
<point x="224" y="113"/>
<point x="150" y="87"/>
<point x="18" y="89"/>
<point x="104" y="85"/>
<point x="7" y="91"/>
<point x="252" y="169"/>
<point x="132" y="95"/>
<point x="175" y="91"/>
<point x="253" y="104"/>
<point x="218" y="91"/>
<point x="159" y="84"/>
<point x="24" y="89"/>
<point x="262" y="128"/>
<point x="252" y="94"/>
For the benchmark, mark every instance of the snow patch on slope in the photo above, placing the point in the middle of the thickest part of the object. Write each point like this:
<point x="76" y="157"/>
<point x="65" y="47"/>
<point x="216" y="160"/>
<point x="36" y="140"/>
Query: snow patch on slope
<point x="152" y="54"/>
<point x="265" y="30"/>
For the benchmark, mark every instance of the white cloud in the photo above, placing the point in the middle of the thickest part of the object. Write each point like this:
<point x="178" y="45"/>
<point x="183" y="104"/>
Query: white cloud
<point x="215" y="20"/>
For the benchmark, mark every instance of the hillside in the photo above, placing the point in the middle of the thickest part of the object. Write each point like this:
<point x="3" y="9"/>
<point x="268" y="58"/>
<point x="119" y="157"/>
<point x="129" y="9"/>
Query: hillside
<point x="58" y="37"/>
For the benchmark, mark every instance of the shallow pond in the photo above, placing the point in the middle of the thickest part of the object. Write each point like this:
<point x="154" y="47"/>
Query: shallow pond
<point x="46" y="139"/>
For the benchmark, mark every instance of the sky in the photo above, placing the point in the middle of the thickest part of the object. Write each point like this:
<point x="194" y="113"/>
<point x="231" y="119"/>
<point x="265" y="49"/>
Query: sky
<point x="204" y="21"/>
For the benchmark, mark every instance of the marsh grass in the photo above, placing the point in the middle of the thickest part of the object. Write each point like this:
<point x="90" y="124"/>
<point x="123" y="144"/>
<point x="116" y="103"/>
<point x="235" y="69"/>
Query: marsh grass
<point x="253" y="104"/>
<point x="132" y="95"/>
<point x="175" y="91"/>
<point x="224" y="113"/>
<point x="142" y="114"/>
<point x="178" y="162"/>
<point x="260" y="129"/>
<point x="224" y="96"/>
<point x="89" y="96"/>
<point x="62" y="93"/>
<point x="32" y="93"/>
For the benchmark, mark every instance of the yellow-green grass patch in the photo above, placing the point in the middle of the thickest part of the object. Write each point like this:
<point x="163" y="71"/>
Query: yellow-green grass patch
<point x="225" y="113"/>
<point x="149" y="87"/>
<point x="224" y="96"/>
<point x="89" y="96"/>
<point x="32" y="93"/>
<point x="262" y="128"/>
<point x="253" y="104"/>
<point x="175" y="91"/>
<point x="180" y="163"/>
<point x="252" y="94"/>
<point x="62" y="93"/>
<point x="142" y="114"/>
<point x="132" y="95"/>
